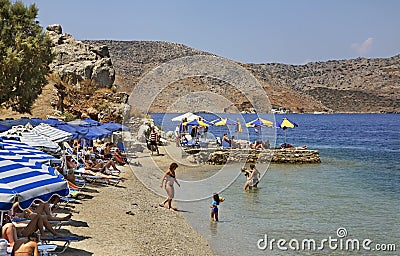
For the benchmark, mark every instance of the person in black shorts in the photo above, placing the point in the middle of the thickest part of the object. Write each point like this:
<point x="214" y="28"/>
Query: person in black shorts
<point x="153" y="141"/>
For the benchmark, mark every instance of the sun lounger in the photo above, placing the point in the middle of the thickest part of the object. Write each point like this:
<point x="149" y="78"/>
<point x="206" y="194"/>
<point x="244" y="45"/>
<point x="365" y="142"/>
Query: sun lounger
<point x="46" y="249"/>
<point x="188" y="142"/>
<point x="95" y="178"/>
<point x="65" y="242"/>
<point x="57" y="224"/>
<point x="122" y="149"/>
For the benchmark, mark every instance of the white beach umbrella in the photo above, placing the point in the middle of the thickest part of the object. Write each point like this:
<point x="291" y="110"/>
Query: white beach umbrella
<point x="189" y="116"/>
<point x="54" y="134"/>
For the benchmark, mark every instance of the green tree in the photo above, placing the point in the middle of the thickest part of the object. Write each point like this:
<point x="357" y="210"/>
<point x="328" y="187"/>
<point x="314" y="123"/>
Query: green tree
<point x="25" y="55"/>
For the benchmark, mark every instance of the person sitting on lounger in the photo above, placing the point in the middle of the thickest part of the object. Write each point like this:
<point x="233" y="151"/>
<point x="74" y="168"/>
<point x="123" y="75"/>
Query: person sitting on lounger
<point x="37" y="222"/>
<point x="43" y="210"/>
<point x="121" y="158"/>
<point x="226" y="139"/>
<point x="71" y="164"/>
<point x="110" y="155"/>
<point x="259" y="145"/>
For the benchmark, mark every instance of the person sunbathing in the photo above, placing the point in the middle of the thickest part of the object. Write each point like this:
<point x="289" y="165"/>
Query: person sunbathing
<point x="101" y="175"/>
<point x="43" y="210"/>
<point x="21" y="229"/>
<point x="99" y="166"/>
<point x="121" y="158"/>
<point x="71" y="164"/>
<point x="9" y="232"/>
<point x="27" y="246"/>
<point x="110" y="155"/>
<point x="259" y="145"/>
<point x="291" y="147"/>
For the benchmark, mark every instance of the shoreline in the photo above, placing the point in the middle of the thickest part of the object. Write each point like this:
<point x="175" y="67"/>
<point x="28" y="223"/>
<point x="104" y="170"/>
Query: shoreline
<point x="126" y="220"/>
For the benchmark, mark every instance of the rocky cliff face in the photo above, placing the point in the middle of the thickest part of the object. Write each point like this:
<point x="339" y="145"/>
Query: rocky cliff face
<point x="76" y="61"/>
<point x="87" y="76"/>
<point x="358" y="85"/>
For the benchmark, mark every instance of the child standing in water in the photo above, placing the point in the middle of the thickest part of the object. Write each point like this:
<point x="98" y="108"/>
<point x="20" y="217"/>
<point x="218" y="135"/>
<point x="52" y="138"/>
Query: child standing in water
<point x="214" y="206"/>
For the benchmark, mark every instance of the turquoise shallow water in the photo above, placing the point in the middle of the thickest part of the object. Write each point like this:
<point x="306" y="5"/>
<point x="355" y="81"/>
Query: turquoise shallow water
<point x="356" y="187"/>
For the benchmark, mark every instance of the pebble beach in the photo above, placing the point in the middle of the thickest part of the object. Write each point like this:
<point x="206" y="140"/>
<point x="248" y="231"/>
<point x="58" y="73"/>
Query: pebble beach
<point x="127" y="220"/>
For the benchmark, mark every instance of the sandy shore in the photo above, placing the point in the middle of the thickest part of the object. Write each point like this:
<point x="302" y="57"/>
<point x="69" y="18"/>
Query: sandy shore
<point x="126" y="220"/>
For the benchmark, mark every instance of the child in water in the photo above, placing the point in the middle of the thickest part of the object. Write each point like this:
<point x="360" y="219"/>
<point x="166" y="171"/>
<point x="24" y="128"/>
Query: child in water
<point x="214" y="206"/>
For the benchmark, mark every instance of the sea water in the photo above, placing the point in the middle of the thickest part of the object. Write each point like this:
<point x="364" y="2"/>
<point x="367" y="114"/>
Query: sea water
<point x="352" y="196"/>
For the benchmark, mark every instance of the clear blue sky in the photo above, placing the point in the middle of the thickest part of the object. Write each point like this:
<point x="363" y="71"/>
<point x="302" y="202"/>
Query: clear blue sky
<point x="282" y="31"/>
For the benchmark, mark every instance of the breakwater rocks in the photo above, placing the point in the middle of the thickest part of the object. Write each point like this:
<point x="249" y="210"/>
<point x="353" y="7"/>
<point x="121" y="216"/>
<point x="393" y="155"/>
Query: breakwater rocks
<point x="221" y="156"/>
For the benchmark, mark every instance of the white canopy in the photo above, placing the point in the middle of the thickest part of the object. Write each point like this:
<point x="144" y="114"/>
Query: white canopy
<point x="54" y="134"/>
<point x="189" y="116"/>
<point x="33" y="139"/>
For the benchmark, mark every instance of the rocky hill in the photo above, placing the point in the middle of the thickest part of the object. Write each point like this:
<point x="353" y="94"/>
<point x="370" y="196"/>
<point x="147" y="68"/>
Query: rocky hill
<point x="357" y="85"/>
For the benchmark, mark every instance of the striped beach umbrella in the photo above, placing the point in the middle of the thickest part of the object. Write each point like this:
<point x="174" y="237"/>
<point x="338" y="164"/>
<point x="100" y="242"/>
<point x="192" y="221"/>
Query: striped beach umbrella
<point x="197" y="123"/>
<point x="284" y="124"/>
<point x="27" y="181"/>
<point x="259" y="122"/>
<point x="28" y="152"/>
<point x="223" y="122"/>
<point x="54" y="134"/>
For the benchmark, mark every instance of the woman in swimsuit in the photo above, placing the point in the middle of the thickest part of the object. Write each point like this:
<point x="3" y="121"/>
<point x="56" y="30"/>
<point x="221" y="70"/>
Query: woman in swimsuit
<point x="169" y="178"/>
<point x="254" y="177"/>
<point x="247" y="174"/>
<point x="27" y="246"/>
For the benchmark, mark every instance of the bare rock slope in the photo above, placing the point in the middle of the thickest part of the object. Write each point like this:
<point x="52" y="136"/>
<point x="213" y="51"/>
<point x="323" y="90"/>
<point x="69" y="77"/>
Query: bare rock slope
<point x="357" y="85"/>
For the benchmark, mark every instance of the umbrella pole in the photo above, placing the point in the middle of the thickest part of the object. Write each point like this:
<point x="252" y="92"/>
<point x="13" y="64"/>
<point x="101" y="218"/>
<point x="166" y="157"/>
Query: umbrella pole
<point x="284" y="132"/>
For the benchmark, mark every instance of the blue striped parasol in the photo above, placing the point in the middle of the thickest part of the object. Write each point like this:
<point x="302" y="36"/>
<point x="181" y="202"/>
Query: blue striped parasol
<point x="27" y="180"/>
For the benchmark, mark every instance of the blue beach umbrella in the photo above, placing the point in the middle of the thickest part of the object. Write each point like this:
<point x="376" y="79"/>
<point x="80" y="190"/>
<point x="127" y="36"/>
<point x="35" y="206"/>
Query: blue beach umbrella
<point x="112" y="126"/>
<point x="91" y="122"/>
<point x="69" y="128"/>
<point x="27" y="180"/>
<point x="198" y="123"/>
<point x="4" y="128"/>
<point x="52" y="121"/>
<point x="22" y="121"/>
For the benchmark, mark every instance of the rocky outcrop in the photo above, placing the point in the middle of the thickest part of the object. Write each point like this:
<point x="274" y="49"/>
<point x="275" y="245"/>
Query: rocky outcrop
<point x="76" y="61"/>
